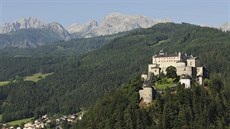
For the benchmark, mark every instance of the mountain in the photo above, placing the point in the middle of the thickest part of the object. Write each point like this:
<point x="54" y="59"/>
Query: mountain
<point x="27" y="38"/>
<point x="112" y="24"/>
<point x="31" y="32"/>
<point x="225" y="27"/>
<point x="81" y="80"/>
<point x="22" y="23"/>
<point x="59" y="29"/>
<point x="82" y="30"/>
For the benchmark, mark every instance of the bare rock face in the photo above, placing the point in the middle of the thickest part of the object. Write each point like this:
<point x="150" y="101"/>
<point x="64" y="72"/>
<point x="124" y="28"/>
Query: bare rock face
<point x="76" y="28"/>
<point x="225" y="27"/>
<point x="32" y="32"/>
<point x="34" y="23"/>
<point x="59" y="29"/>
<point x="22" y="23"/>
<point x="114" y="23"/>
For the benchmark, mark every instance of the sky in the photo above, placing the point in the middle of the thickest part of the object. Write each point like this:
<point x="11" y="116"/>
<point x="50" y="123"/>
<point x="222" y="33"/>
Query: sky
<point x="66" y="12"/>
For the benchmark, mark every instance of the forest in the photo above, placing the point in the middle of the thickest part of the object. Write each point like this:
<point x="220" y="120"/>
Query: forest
<point x="195" y="108"/>
<point x="80" y="79"/>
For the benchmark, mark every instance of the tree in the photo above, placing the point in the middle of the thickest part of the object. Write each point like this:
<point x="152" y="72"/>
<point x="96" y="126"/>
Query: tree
<point x="19" y="79"/>
<point x="171" y="72"/>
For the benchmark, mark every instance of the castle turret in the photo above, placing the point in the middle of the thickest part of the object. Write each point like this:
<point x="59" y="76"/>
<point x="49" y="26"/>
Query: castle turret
<point x="147" y="92"/>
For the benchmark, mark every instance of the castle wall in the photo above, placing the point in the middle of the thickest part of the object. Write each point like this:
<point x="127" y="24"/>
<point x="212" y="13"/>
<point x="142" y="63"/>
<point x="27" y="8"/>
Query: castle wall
<point x="166" y="61"/>
<point x="153" y="69"/>
<point x="193" y="62"/>
<point x="199" y="71"/>
<point x="144" y="76"/>
<point x="141" y="93"/>
<point x="186" y="82"/>
<point x="184" y="70"/>
<point x="148" y="94"/>
<point x="200" y="80"/>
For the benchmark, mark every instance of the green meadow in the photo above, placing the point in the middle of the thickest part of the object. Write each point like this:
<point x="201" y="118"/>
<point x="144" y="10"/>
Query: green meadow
<point x="35" y="77"/>
<point x="18" y="122"/>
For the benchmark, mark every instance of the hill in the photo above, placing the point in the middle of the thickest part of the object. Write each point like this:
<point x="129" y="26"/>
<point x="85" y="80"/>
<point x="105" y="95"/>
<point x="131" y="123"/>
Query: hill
<point x="196" y="108"/>
<point x="81" y="80"/>
<point x="27" y="61"/>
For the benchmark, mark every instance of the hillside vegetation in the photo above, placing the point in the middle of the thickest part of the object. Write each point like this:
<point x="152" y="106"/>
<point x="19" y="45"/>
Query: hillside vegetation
<point x="81" y="80"/>
<point x="195" y="108"/>
<point x="44" y="59"/>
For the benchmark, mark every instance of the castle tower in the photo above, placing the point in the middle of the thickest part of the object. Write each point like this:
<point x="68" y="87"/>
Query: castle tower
<point x="147" y="92"/>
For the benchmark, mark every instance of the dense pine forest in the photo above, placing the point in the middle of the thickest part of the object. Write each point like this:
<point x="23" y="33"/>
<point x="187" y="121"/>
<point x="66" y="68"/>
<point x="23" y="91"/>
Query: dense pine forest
<point x="194" y="108"/>
<point x="105" y="64"/>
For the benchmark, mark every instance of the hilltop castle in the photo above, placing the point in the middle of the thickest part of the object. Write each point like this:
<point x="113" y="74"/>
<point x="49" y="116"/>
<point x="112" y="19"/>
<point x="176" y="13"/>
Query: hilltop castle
<point x="187" y="67"/>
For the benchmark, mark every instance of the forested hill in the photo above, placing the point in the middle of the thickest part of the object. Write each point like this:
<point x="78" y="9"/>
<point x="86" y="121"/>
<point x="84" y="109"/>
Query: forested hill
<point x="80" y="81"/>
<point x="27" y="61"/>
<point x="195" y="108"/>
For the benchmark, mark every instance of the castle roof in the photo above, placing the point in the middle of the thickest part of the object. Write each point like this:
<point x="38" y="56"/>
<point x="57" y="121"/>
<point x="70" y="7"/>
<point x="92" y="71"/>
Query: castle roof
<point x="192" y="58"/>
<point x="166" y="55"/>
<point x="199" y="76"/>
<point x="181" y="61"/>
<point x="185" y="76"/>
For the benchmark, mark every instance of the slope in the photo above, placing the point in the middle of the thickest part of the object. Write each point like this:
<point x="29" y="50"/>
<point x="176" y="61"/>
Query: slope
<point x="80" y="81"/>
<point x="197" y="108"/>
<point x="27" y="61"/>
<point x="28" y="38"/>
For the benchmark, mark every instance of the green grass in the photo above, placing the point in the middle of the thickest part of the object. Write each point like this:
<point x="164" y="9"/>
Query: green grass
<point x="0" y="117"/>
<point x="35" y="77"/>
<point x="18" y="122"/>
<point x="4" y="83"/>
<point x="164" y="86"/>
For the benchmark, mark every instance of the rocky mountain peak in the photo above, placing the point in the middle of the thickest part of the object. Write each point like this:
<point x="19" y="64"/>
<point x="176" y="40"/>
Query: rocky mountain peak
<point x="22" y="23"/>
<point x="225" y="26"/>
<point x="76" y="28"/>
<point x="59" y="29"/>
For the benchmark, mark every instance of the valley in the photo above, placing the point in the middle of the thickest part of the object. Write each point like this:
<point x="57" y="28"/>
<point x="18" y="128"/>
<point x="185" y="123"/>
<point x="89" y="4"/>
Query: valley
<point x="105" y="72"/>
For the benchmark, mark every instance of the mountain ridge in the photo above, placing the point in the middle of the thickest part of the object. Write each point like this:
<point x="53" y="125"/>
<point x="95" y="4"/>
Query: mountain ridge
<point x="117" y="22"/>
<point x="111" y="24"/>
<point x="32" y="32"/>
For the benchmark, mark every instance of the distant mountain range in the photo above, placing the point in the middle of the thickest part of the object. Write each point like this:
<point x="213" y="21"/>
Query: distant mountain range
<point x="225" y="26"/>
<point x="113" y="23"/>
<point x="32" y="32"/>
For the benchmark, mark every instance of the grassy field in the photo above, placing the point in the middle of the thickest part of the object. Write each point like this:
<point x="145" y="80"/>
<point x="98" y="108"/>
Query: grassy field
<point x="18" y="122"/>
<point x="4" y="83"/>
<point x="164" y="86"/>
<point x="0" y="117"/>
<point x="35" y="77"/>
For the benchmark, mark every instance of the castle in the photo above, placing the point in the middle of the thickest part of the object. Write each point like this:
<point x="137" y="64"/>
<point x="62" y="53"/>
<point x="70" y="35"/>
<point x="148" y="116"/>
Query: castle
<point x="187" y="67"/>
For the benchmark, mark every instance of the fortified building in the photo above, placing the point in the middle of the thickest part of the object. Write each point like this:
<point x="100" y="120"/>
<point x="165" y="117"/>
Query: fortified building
<point x="187" y="67"/>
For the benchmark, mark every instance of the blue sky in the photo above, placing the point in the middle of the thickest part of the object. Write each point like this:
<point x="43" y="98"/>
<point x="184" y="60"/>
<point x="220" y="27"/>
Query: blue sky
<point x="66" y="12"/>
